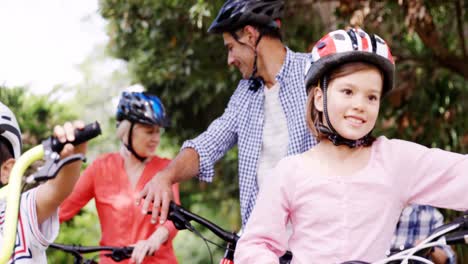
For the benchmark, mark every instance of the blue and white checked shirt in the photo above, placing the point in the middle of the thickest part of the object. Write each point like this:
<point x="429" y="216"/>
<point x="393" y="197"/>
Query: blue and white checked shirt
<point x="417" y="222"/>
<point x="242" y="124"/>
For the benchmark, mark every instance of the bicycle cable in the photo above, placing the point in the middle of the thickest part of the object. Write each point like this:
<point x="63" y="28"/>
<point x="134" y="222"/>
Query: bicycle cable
<point x="195" y="231"/>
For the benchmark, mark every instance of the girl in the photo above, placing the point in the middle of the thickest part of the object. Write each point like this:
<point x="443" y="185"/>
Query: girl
<point x="344" y="196"/>
<point x="115" y="178"/>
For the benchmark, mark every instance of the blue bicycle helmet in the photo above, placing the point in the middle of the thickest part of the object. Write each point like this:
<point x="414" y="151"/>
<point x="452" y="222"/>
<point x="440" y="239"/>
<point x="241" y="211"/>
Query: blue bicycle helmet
<point x="143" y="108"/>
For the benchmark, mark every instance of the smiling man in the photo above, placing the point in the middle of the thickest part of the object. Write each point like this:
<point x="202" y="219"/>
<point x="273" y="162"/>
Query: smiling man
<point x="264" y="117"/>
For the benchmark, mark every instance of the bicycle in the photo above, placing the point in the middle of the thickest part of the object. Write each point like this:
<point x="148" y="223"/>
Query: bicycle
<point x="48" y="150"/>
<point x="455" y="232"/>
<point x="181" y="219"/>
<point x="117" y="253"/>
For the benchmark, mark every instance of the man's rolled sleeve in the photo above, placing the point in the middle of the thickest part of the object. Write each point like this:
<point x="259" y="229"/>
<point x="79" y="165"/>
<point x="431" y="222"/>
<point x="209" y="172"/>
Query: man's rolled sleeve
<point x="220" y="136"/>
<point x="206" y="166"/>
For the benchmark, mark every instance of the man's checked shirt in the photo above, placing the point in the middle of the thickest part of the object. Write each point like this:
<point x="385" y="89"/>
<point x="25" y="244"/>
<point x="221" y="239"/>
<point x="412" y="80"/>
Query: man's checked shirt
<point x="416" y="223"/>
<point x="242" y="124"/>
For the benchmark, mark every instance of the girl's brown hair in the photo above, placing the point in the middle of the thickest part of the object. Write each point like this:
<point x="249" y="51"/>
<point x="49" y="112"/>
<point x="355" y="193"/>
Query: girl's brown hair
<point x="313" y="116"/>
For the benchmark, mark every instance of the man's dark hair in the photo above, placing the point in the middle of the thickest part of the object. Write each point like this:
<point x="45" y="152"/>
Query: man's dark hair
<point x="263" y="30"/>
<point x="269" y="31"/>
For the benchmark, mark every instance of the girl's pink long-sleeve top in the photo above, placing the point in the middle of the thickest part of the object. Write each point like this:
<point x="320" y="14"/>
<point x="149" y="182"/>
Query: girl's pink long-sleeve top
<point x="122" y="223"/>
<point x="349" y="217"/>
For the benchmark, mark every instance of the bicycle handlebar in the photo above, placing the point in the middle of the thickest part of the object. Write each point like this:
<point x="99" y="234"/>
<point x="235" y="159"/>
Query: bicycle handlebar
<point x="181" y="218"/>
<point x="118" y="253"/>
<point x="90" y="131"/>
<point x="12" y="191"/>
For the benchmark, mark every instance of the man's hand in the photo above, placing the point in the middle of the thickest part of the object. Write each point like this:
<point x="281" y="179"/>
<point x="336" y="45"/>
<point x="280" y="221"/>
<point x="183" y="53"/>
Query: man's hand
<point x="158" y="191"/>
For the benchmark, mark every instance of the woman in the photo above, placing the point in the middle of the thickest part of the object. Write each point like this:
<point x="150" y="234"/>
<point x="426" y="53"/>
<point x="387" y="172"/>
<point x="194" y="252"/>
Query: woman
<point x="114" y="179"/>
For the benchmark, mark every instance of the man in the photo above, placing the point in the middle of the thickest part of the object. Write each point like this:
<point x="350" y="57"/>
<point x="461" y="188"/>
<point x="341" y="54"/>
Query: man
<point x="264" y="117"/>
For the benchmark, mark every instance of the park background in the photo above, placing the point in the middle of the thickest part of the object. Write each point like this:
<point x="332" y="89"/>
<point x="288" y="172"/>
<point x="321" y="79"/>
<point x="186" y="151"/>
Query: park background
<point x="162" y="46"/>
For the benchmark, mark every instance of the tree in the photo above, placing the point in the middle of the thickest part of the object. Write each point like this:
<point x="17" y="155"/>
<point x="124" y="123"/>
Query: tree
<point x="36" y="115"/>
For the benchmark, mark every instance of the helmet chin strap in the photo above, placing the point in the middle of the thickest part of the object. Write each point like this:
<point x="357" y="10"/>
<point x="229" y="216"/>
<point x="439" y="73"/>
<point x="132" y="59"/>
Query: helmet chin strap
<point x="331" y="133"/>
<point x="129" y="146"/>
<point x="254" y="82"/>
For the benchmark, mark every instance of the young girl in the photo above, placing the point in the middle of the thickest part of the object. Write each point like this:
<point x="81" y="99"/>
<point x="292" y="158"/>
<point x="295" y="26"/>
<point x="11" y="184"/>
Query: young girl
<point x="344" y="196"/>
<point x="38" y="224"/>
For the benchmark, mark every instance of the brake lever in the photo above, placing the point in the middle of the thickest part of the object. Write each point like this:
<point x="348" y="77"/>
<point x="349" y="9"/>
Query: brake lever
<point x="52" y="166"/>
<point x="53" y="163"/>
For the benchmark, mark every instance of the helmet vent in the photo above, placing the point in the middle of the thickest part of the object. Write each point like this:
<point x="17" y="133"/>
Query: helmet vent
<point x="7" y="118"/>
<point x="339" y="37"/>
<point x="321" y="45"/>
<point x="257" y="10"/>
<point x="225" y="15"/>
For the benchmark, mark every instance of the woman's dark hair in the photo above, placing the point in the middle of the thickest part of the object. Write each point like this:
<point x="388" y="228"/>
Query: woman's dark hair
<point x="6" y="152"/>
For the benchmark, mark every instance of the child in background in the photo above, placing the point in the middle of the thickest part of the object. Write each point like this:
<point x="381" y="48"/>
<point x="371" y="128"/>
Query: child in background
<point x="38" y="224"/>
<point x="344" y="196"/>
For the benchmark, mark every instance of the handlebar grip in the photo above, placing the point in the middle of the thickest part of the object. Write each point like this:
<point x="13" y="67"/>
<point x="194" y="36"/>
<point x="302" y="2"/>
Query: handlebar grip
<point x="90" y="131"/>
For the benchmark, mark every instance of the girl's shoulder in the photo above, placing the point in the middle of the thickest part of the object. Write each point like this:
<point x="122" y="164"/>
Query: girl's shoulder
<point x="291" y="166"/>
<point x="385" y="144"/>
<point x="290" y="161"/>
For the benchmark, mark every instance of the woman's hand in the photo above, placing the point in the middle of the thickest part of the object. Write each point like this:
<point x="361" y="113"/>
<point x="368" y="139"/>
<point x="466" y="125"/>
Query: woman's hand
<point x="147" y="247"/>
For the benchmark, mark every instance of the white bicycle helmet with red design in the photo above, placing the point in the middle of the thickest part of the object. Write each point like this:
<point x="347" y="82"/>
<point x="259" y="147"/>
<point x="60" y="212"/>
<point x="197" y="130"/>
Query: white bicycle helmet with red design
<point x="10" y="132"/>
<point x="339" y="47"/>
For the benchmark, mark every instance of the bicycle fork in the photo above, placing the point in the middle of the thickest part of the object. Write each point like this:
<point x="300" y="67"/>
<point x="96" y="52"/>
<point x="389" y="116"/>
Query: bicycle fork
<point x="228" y="254"/>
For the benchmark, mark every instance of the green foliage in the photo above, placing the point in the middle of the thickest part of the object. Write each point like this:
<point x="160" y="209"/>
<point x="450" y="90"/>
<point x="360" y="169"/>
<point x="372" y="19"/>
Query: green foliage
<point x="169" y="52"/>
<point x="83" y="229"/>
<point x="36" y="115"/>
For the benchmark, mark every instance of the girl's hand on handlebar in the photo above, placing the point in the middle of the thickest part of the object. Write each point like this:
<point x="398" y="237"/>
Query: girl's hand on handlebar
<point x="67" y="133"/>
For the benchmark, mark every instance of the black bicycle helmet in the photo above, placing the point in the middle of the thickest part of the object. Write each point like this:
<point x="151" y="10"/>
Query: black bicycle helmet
<point x="143" y="108"/>
<point x="235" y="14"/>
